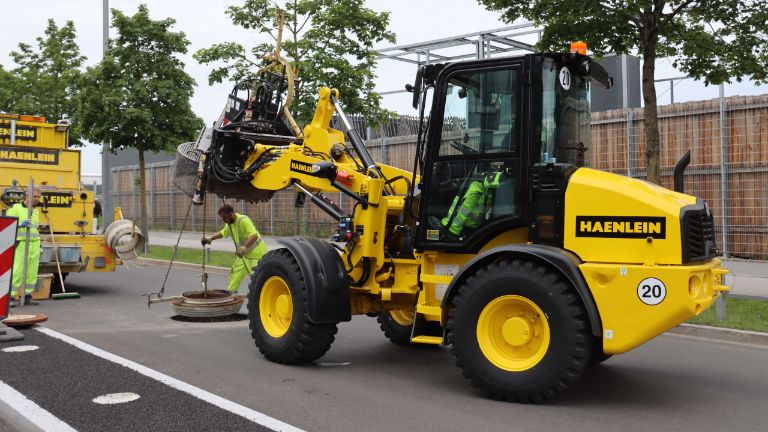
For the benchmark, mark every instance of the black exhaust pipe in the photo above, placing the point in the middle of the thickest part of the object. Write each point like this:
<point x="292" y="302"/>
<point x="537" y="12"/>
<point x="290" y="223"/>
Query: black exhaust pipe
<point x="680" y="169"/>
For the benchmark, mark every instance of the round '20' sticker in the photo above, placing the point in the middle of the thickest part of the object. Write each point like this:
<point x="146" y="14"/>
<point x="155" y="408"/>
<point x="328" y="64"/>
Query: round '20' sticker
<point x="565" y="78"/>
<point x="651" y="291"/>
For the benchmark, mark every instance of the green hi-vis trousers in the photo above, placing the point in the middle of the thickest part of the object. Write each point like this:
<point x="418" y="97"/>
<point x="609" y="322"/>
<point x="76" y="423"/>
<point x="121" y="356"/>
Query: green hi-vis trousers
<point x="238" y="271"/>
<point x="18" y="266"/>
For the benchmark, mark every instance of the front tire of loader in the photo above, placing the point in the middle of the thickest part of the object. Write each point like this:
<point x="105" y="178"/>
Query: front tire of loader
<point x="397" y="325"/>
<point x="519" y="331"/>
<point x="277" y="311"/>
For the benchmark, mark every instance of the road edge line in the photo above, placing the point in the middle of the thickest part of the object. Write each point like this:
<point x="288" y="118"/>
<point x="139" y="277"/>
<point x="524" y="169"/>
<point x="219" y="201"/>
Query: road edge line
<point x="225" y="404"/>
<point x="25" y="415"/>
<point x="722" y="333"/>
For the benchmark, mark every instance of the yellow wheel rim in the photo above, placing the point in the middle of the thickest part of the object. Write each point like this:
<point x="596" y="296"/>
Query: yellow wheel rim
<point x="513" y="333"/>
<point x="402" y="317"/>
<point x="275" y="306"/>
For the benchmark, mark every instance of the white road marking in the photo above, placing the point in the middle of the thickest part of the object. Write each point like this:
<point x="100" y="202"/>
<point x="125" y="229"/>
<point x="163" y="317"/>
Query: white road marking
<point x="20" y="348"/>
<point x="197" y="392"/>
<point x="116" y="398"/>
<point x="24" y="414"/>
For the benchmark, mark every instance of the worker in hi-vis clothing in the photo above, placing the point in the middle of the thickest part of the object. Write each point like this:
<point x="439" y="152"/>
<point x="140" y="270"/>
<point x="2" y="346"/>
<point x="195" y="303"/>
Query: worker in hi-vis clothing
<point x="19" y="210"/>
<point x="250" y="246"/>
<point x="470" y="209"/>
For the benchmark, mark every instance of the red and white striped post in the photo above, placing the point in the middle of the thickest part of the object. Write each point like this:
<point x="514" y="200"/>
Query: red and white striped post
<point x="8" y="226"/>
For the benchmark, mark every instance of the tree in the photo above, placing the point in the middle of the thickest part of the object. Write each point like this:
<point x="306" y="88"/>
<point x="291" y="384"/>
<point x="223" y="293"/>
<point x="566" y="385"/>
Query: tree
<point x="8" y="83"/>
<point x="330" y="42"/>
<point x="713" y="40"/>
<point x="47" y="78"/>
<point x="138" y="96"/>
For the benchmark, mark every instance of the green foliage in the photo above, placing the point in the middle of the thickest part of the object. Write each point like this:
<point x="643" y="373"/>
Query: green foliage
<point x="8" y="84"/>
<point x="46" y="80"/>
<point x="138" y="96"/>
<point x="330" y="42"/>
<point x="714" y="40"/>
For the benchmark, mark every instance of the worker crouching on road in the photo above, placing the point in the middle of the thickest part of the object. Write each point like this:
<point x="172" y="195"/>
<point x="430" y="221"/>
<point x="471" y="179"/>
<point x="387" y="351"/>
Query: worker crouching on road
<point x="19" y="210"/>
<point x="250" y="246"/>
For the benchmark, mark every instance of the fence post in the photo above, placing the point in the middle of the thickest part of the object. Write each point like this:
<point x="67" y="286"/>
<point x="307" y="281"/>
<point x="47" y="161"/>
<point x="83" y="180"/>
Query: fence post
<point x="152" y="200"/>
<point x="172" y="222"/>
<point x="194" y="218"/>
<point x="724" y="171"/>
<point x="272" y="216"/>
<point x="720" y="302"/>
<point x="630" y="142"/>
<point x="134" y="197"/>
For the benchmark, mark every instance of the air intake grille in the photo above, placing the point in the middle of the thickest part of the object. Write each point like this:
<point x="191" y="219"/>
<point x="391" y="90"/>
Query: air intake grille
<point x="698" y="235"/>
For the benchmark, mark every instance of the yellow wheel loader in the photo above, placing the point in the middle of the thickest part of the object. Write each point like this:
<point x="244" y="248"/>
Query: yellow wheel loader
<point x="498" y="243"/>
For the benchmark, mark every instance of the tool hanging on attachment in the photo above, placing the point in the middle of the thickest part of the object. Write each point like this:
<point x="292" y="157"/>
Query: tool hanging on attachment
<point x="204" y="275"/>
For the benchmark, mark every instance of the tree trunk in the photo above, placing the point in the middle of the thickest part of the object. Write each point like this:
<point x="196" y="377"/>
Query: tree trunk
<point x="650" y="38"/>
<point x="143" y="219"/>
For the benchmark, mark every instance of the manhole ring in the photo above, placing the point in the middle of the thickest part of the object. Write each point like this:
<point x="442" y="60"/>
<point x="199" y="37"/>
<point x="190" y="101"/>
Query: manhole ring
<point x="25" y="319"/>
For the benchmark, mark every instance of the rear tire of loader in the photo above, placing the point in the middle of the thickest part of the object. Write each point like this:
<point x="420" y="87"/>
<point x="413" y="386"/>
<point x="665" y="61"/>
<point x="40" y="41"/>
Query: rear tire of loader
<point x="397" y="325"/>
<point x="277" y="310"/>
<point x="519" y="331"/>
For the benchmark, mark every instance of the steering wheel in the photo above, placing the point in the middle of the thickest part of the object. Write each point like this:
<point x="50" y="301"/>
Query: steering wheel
<point x="463" y="148"/>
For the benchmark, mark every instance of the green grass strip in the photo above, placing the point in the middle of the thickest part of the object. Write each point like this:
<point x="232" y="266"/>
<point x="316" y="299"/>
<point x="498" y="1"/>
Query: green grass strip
<point x="192" y="256"/>
<point x="740" y="314"/>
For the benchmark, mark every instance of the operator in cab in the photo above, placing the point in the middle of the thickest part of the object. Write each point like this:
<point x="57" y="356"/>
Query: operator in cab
<point x="250" y="246"/>
<point x="26" y="224"/>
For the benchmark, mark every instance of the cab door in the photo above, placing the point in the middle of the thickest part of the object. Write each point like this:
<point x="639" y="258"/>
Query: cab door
<point x="475" y="170"/>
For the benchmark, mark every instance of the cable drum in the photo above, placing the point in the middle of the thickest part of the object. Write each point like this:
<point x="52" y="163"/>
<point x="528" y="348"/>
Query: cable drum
<point x="185" y="168"/>
<point x="125" y="239"/>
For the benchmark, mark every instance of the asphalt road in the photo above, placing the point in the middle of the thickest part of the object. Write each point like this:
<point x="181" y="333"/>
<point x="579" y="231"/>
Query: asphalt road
<point x="365" y="383"/>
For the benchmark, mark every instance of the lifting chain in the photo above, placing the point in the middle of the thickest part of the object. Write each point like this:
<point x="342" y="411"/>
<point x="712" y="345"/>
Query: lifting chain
<point x="173" y="257"/>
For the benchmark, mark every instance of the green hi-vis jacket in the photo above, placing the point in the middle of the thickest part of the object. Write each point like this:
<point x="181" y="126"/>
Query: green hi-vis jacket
<point x="20" y="212"/>
<point x="241" y="230"/>
<point x="472" y="205"/>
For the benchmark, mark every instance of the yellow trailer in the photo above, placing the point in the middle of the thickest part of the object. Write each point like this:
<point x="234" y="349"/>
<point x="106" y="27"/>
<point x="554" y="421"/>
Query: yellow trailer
<point x="32" y="149"/>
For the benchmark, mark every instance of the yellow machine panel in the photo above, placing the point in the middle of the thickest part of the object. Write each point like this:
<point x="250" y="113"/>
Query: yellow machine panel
<point x="616" y="226"/>
<point x="638" y="303"/>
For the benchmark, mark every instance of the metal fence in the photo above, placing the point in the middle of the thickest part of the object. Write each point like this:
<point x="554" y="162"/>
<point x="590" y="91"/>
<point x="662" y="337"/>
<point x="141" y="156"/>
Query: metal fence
<point x="728" y="139"/>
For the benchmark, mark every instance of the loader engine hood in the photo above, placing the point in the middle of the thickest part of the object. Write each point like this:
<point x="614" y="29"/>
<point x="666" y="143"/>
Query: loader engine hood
<point x="611" y="218"/>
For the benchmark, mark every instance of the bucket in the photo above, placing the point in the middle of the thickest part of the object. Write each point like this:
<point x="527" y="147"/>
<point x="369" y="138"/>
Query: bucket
<point x="43" y="287"/>
<point x="69" y="254"/>
<point x="46" y="253"/>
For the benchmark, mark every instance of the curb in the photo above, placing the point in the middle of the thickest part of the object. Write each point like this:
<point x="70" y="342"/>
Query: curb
<point x="16" y="419"/>
<point x="183" y="265"/>
<point x="723" y="334"/>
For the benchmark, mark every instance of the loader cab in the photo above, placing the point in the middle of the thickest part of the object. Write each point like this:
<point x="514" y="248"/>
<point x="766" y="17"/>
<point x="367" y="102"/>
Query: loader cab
<point x="491" y="123"/>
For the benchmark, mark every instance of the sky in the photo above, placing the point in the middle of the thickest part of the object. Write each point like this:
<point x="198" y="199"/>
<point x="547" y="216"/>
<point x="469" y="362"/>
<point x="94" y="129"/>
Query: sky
<point x="205" y="23"/>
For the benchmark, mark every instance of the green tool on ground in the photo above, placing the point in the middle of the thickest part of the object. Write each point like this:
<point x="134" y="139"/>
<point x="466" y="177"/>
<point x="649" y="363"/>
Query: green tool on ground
<point x="63" y="294"/>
